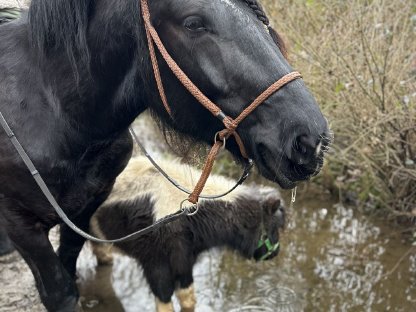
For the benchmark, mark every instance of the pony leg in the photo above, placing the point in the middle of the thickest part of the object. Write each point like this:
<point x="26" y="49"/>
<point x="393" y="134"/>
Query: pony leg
<point x="103" y="253"/>
<point x="186" y="297"/>
<point x="57" y="290"/>
<point x="162" y="283"/>
<point x="6" y="245"/>
<point x="164" y="307"/>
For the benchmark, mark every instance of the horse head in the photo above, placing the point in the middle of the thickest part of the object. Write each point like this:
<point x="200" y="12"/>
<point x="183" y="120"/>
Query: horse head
<point x="228" y="50"/>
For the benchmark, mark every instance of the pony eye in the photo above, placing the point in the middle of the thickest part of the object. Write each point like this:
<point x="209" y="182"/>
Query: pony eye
<point x="194" y="23"/>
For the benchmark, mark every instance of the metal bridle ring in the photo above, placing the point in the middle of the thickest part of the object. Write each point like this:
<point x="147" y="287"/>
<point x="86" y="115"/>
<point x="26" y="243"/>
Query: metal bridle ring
<point x="189" y="213"/>
<point x="217" y="138"/>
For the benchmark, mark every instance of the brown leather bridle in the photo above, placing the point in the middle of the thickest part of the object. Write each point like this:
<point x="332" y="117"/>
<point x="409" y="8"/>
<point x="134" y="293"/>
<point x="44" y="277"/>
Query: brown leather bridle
<point x="229" y="123"/>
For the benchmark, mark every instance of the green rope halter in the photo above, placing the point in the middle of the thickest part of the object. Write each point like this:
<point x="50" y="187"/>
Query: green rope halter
<point x="271" y="248"/>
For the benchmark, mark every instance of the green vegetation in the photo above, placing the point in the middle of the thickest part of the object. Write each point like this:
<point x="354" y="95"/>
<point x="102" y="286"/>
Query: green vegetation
<point x="359" y="59"/>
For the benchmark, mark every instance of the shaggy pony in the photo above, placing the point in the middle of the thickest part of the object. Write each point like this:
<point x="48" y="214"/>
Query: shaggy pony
<point x="141" y="195"/>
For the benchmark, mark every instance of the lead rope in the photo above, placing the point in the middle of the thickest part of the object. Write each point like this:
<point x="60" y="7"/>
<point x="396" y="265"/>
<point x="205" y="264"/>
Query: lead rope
<point x="229" y="123"/>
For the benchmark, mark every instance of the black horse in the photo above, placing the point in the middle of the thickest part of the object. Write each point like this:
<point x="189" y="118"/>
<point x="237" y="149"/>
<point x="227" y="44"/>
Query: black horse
<point x="75" y="74"/>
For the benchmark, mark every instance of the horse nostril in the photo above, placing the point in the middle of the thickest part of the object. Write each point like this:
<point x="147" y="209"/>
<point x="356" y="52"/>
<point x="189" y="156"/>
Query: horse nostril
<point x="305" y="148"/>
<point x="307" y="142"/>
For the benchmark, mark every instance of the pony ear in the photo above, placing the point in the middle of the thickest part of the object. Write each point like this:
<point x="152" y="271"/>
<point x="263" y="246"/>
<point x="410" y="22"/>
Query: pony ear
<point x="270" y="205"/>
<point x="278" y="40"/>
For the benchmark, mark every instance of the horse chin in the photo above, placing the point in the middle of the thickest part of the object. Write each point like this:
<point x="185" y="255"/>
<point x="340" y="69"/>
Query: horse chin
<point x="282" y="171"/>
<point x="276" y="177"/>
<point x="272" y="173"/>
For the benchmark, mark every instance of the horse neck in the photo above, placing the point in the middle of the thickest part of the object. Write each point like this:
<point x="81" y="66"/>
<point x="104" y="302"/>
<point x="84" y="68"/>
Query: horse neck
<point x="220" y="223"/>
<point x="105" y="95"/>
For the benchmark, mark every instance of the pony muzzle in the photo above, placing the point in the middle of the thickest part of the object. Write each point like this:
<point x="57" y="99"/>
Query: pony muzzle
<point x="266" y="250"/>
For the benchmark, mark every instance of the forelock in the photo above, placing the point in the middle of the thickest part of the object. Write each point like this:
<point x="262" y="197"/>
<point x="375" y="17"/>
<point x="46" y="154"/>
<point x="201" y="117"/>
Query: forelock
<point x="258" y="10"/>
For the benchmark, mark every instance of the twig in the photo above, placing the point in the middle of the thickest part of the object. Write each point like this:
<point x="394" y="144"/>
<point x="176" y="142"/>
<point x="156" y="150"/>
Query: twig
<point x="413" y="248"/>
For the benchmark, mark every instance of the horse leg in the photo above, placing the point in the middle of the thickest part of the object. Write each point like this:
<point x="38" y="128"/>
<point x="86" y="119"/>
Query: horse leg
<point x="186" y="293"/>
<point x="6" y="245"/>
<point x="57" y="290"/>
<point x="71" y="243"/>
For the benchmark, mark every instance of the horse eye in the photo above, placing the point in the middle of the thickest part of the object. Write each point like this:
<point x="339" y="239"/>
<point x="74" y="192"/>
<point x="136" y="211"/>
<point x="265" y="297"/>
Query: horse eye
<point x="194" y="23"/>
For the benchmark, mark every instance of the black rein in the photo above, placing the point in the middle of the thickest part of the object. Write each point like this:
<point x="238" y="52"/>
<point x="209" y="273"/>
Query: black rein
<point x="45" y="190"/>
<point x="182" y="212"/>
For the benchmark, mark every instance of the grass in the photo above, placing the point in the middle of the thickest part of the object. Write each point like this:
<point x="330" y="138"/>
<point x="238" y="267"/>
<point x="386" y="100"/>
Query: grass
<point x="359" y="59"/>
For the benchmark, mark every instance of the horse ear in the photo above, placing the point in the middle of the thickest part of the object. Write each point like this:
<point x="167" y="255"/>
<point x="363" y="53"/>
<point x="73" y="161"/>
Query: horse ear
<point x="279" y="41"/>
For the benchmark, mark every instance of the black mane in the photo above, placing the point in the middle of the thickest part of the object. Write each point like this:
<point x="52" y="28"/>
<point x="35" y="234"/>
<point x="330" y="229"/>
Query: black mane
<point x="60" y="25"/>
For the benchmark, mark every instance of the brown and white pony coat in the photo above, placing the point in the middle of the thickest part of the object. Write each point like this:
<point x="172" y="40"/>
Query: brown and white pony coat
<point x="141" y="196"/>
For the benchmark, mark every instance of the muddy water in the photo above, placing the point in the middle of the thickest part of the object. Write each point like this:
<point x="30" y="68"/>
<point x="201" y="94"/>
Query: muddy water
<point x="332" y="259"/>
